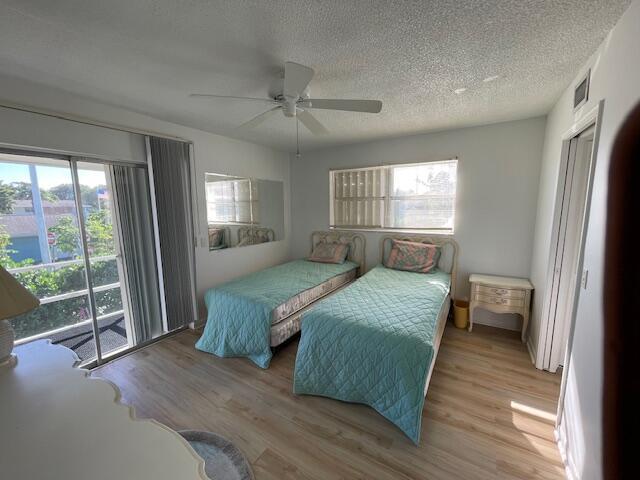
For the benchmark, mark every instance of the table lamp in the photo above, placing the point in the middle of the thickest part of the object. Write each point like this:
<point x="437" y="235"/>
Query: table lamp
<point x="14" y="300"/>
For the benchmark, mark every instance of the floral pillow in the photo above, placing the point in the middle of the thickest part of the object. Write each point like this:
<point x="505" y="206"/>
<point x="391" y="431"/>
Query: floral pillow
<point x="254" y="237"/>
<point x="329" y="253"/>
<point x="412" y="256"/>
<point x="261" y="237"/>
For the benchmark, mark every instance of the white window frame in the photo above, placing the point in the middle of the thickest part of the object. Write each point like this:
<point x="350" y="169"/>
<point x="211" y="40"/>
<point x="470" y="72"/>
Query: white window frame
<point x="386" y="198"/>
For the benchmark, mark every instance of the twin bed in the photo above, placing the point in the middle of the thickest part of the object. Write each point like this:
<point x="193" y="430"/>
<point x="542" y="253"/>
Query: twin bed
<point x="373" y="340"/>
<point x="248" y="316"/>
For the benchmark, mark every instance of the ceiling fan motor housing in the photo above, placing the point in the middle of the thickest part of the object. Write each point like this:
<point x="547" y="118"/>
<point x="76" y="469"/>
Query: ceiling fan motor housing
<point x="289" y="106"/>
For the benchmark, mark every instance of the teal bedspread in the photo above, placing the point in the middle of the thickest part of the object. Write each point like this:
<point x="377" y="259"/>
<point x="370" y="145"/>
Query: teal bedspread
<point x="239" y="312"/>
<point x="372" y="343"/>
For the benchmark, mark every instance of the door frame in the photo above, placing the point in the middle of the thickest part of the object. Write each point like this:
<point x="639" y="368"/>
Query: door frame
<point x="75" y="180"/>
<point x="593" y="118"/>
<point x="597" y="114"/>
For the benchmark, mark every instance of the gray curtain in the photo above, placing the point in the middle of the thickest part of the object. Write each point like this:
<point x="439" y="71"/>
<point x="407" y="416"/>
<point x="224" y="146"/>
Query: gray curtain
<point x="131" y="188"/>
<point x="172" y="186"/>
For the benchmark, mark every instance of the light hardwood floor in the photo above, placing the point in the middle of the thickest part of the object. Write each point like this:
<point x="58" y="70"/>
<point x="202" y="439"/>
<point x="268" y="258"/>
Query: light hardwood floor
<point x="489" y="413"/>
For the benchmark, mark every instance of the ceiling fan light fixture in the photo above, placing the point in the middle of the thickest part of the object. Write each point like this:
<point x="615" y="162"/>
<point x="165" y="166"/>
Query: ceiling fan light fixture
<point x="295" y="101"/>
<point x="289" y="108"/>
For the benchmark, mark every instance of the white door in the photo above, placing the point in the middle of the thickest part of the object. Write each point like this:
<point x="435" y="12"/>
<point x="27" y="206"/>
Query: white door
<point x="566" y="277"/>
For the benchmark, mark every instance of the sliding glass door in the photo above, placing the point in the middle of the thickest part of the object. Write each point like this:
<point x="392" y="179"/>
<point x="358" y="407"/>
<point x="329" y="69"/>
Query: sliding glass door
<point x="79" y="235"/>
<point x="107" y="294"/>
<point x="40" y="245"/>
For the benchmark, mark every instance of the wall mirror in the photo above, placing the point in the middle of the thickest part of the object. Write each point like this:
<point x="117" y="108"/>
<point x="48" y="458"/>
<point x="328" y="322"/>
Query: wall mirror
<point x="243" y="211"/>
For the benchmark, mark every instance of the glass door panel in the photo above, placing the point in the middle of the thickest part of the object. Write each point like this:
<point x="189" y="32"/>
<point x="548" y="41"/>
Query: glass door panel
<point x="104" y="256"/>
<point x="40" y="245"/>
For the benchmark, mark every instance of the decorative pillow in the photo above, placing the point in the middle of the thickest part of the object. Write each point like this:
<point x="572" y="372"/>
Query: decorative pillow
<point x="216" y="236"/>
<point x="254" y="238"/>
<point x="412" y="256"/>
<point x="329" y="253"/>
<point x="261" y="237"/>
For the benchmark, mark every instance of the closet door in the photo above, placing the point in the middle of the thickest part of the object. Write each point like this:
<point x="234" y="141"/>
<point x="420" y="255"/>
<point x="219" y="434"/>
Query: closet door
<point x="570" y="235"/>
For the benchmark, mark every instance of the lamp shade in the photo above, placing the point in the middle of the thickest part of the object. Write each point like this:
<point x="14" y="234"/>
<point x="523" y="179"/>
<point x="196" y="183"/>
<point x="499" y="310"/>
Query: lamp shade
<point x="14" y="298"/>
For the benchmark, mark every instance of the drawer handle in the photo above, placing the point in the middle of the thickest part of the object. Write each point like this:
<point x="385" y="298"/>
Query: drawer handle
<point x="500" y="291"/>
<point x="501" y="301"/>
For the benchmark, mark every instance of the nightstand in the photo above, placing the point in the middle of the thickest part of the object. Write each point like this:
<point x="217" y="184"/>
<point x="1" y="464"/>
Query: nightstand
<point x="501" y="295"/>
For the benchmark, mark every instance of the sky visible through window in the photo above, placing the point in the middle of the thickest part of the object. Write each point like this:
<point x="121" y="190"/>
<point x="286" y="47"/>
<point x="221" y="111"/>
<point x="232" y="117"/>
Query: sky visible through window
<point x="48" y="176"/>
<point x="434" y="178"/>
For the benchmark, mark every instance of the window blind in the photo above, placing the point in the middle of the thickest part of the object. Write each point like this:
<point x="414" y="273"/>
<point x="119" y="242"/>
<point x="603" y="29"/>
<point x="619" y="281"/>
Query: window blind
<point x="358" y="198"/>
<point x="171" y="169"/>
<point x="233" y="201"/>
<point x="419" y="196"/>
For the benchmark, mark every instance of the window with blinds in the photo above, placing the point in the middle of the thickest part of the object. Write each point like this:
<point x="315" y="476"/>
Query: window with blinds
<point x="358" y="198"/>
<point x="417" y="196"/>
<point x="232" y="201"/>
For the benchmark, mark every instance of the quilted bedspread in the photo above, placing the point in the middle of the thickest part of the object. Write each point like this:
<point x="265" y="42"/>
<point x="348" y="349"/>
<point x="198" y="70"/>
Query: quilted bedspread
<point x="372" y="343"/>
<point x="239" y="312"/>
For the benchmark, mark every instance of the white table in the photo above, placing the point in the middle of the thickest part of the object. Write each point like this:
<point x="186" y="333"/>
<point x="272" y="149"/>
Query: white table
<point x="501" y="295"/>
<point x="58" y="423"/>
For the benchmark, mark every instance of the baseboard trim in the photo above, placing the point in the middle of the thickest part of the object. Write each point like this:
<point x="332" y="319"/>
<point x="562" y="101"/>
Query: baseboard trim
<point x="569" y="468"/>
<point x="532" y="350"/>
<point x="199" y="323"/>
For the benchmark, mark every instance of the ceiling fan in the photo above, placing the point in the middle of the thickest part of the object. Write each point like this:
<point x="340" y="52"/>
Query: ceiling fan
<point x="294" y="101"/>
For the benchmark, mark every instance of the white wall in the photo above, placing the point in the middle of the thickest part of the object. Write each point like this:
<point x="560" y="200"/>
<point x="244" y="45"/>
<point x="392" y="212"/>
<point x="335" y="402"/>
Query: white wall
<point x="615" y="77"/>
<point x="498" y="171"/>
<point x="213" y="153"/>
<point x="53" y="135"/>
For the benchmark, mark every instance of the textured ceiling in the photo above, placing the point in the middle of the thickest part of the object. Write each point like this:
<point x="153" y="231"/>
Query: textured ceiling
<point x="148" y="55"/>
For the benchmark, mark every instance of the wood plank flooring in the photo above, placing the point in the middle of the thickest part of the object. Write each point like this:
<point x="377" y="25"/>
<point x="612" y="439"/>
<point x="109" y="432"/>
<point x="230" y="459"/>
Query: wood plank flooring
<point x="489" y="413"/>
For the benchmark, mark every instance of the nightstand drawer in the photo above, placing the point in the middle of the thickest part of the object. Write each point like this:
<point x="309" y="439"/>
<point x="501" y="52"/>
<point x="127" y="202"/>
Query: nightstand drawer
<point x="499" y="292"/>
<point x="496" y="300"/>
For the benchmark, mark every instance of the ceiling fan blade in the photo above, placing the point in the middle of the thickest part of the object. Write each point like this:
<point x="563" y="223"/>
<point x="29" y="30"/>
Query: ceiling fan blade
<point x="311" y="122"/>
<point x="368" y="106"/>
<point x="206" y="95"/>
<point x="296" y="79"/>
<point x="258" y="119"/>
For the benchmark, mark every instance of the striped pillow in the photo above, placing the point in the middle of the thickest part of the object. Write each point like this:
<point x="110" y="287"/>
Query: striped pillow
<point x="412" y="256"/>
<point x="329" y="253"/>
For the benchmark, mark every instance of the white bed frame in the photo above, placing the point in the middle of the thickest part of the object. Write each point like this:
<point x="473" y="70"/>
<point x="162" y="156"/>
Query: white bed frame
<point x="244" y="232"/>
<point x="448" y="262"/>
<point x="357" y="243"/>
